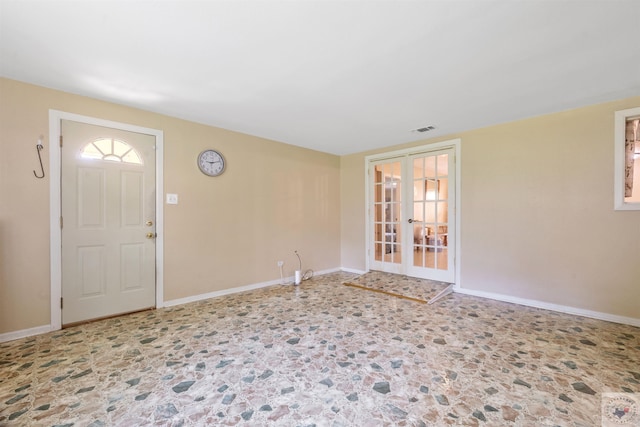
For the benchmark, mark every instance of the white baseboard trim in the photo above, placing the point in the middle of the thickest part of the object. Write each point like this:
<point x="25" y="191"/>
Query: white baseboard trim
<point x="24" y="333"/>
<point x="288" y="281"/>
<point x="10" y="336"/>
<point x="553" y="307"/>
<point x="323" y="272"/>
<point x="352" y="270"/>
<point x="38" y="330"/>
<point x="200" y="297"/>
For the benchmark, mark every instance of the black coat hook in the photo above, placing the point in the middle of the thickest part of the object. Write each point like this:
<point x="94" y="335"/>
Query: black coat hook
<point x="38" y="148"/>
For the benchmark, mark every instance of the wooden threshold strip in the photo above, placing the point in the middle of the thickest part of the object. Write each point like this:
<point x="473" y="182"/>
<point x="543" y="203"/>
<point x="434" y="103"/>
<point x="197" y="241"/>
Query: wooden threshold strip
<point x="385" y="292"/>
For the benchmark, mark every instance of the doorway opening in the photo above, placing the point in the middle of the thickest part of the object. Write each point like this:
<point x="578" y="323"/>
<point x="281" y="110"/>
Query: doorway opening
<point x="89" y="205"/>
<point x="413" y="221"/>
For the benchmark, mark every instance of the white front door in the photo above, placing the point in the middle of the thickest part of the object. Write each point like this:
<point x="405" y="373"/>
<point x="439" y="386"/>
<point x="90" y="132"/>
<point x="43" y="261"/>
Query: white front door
<point x="108" y="221"/>
<point x="412" y="215"/>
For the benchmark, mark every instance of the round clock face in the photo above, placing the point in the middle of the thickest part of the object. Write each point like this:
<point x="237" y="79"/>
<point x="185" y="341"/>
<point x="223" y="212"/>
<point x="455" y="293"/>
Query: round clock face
<point x="211" y="163"/>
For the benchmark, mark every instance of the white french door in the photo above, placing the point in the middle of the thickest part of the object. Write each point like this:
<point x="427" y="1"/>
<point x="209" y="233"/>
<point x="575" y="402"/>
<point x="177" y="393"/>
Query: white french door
<point x="412" y="219"/>
<point x="109" y="222"/>
<point x="386" y="215"/>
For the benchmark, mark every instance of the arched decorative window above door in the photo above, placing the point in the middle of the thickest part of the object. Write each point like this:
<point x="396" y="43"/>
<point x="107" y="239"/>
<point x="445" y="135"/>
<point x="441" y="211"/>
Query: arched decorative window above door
<point x="112" y="150"/>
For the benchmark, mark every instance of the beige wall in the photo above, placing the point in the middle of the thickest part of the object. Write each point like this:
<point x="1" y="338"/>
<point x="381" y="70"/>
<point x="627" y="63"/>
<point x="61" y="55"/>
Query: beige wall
<point x="537" y="208"/>
<point x="537" y="218"/>
<point x="226" y="232"/>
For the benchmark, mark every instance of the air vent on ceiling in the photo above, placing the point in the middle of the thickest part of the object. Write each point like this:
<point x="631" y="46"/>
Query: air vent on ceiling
<point x="424" y="129"/>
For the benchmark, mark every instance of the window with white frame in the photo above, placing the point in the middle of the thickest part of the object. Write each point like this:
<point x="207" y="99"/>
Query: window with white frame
<point x="627" y="159"/>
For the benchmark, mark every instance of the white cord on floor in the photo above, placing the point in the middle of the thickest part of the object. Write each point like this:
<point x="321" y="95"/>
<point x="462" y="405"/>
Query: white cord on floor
<point x="308" y="274"/>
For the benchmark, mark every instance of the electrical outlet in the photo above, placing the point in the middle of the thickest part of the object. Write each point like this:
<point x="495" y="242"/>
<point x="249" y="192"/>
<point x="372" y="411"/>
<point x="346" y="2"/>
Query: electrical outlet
<point x="172" y="199"/>
<point x="280" y="263"/>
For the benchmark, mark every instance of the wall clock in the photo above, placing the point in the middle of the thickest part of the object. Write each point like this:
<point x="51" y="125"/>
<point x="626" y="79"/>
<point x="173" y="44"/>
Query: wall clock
<point x="211" y="163"/>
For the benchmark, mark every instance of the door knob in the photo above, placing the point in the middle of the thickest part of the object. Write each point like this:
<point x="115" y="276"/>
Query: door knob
<point x="148" y="223"/>
<point x="410" y="220"/>
<point x="151" y="235"/>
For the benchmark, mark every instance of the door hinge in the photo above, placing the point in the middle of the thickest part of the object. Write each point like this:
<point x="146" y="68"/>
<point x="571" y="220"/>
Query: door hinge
<point x="61" y="303"/>
<point x="60" y="141"/>
<point x="61" y="223"/>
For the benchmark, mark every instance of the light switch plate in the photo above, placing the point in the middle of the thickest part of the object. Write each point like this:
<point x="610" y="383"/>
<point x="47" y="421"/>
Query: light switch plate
<point x="172" y="199"/>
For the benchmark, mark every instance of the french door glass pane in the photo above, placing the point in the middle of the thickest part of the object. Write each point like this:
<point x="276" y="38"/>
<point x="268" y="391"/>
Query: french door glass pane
<point x="443" y="165"/>
<point x="430" y="210"/>
<point x="418" y="190"/>
<point x="387" y="212"/>
<point x="418" y="212"/>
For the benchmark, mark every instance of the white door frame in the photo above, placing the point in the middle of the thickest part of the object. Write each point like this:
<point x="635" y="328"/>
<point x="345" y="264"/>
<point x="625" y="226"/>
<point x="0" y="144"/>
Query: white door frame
<point x="55" y="192"/>
<point x="455" y="144"/>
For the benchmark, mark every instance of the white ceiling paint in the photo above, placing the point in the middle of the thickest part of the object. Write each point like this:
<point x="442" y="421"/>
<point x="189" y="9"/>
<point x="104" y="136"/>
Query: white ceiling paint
<point x="335" y="76"/>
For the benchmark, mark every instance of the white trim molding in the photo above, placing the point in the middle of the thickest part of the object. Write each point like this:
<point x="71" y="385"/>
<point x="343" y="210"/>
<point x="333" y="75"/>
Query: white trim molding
<point x="14" y="335"/>
<point x="619" y="156"/>
<point x="353" y="270"/>
<point x="552" y="307"/>
<point x="288" y="281"/>
<point x="24" y="333"/>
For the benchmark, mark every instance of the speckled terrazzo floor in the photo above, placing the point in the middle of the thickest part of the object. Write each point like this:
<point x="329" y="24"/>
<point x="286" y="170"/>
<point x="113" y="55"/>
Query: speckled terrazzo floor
<point x="322" y="354"/>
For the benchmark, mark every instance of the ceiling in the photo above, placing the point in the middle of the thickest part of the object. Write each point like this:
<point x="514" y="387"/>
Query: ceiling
<point x="335" y="76"/>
